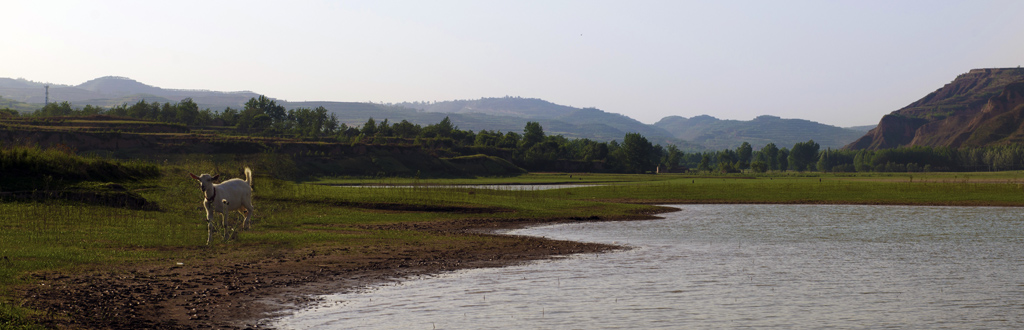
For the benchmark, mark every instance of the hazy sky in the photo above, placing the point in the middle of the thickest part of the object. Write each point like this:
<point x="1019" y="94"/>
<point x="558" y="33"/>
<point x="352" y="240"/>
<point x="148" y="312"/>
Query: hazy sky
<point x="842" y="63"/>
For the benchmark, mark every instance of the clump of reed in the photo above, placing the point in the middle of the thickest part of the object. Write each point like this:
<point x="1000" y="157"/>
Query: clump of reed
<point x="39" y="168"/>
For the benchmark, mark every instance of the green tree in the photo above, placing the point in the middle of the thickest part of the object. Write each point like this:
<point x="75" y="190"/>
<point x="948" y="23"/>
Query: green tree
<point x="311" y="123"/>
<point x="90" y="110"/>
<point x="727" y="161"/>
<point x="384" y="128"/>
<point x="672" y="158"/>
<point x="783" y="159"/>
<point x="743" y="155"/>
<point x="168" y="113"/>
<point x="119" y="110"/>
<point x="142" y="110"/>
<point x="187" y="112"/>
<point x="542" y="156"/>
<point x="803" y="155"/>
<point x="759" y="166"/>
<point x="771" y="155"/>
<point x="330" y="124"/>
<point x="862" y="161"/>
<point x="205" y="117"/>
<point x="487" y="138"/>
<point x="637" y="152"/>
<point x="705" y="163"/>
<point x="824" y="161"/>
<point x="261" y="122"/>
<point x="266" y="106"/>
<point x="443" y="129"/>
<point x="595" y="151"/>
<point x="229" y="116"/>
<point x="369" y="128"/>
<point x="836" y="161"/>
<point x="510" y="140"/>
<point x="56" y="109"/>
<point x="533" y="134"/>
<point x="405" y="129"/>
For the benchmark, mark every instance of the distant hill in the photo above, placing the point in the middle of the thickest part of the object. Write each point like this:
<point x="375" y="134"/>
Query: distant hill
<point x="503" y="114"/>
<point x="864" y="128"/>
<point x="16" y="106"/>
<point x="512" y="113"/>
<point x="719" y="134"/>
<point x="110" y="91"/>
<point x="979" y="108"/>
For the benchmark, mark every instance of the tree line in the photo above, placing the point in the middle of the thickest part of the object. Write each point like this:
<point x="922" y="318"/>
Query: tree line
<point x="808" y="156"/>
<point x="259" y="116"/>
<point x="534" y="150"/>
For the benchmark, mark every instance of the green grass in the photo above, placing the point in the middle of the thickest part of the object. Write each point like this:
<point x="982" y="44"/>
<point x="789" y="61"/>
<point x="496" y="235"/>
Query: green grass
<point x="529" y="178"/>
<point x="16" y="317"/>
<point x="976" y="188"/>
<point x="826" y="190"/>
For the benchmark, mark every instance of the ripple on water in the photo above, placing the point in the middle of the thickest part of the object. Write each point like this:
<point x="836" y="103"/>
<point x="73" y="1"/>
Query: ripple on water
<point x="713" y="266"/>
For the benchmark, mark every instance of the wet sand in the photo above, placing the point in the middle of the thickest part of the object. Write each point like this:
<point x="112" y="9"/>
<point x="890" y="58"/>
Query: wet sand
<point x="217" y="294"/>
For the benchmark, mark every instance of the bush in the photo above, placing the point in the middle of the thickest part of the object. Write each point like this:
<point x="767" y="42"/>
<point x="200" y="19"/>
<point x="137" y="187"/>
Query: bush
<point x="843" y="168"/>
<point x="913" y="167"/>
<point x="759" y="166"/>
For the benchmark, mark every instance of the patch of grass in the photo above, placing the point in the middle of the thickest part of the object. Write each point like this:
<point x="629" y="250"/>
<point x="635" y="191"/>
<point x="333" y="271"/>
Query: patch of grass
<point x="529" y="178"/>
<point x="14" y="317"/>
<point x="46" y="236"/>
<point x="938" y="189"/>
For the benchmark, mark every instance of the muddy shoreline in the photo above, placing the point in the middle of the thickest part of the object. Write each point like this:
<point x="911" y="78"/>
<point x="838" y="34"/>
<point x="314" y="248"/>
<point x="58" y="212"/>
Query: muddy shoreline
<point x="215" y="294"/>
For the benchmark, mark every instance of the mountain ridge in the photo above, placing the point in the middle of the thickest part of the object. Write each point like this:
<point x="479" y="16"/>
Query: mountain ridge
<point x="111" y="91"/>
<point x="555" y="118"/>
<point x="494" y="113"/>
<point x="729" y="133"/>
<point x="975" y="109"/>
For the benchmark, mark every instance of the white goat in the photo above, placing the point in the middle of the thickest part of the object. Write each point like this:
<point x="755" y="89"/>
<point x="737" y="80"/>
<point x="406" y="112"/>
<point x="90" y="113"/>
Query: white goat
<point x="230" y="195"/>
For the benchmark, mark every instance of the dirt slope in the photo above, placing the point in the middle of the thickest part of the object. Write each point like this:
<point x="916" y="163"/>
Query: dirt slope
<point x="975" y="109"/>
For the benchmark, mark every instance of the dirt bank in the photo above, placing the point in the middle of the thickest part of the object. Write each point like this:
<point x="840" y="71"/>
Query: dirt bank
<point x="229" y="295"/>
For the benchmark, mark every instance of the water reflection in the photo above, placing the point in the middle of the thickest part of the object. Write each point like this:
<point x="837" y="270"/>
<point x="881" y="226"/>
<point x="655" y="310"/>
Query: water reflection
<point x="730" y="266"/>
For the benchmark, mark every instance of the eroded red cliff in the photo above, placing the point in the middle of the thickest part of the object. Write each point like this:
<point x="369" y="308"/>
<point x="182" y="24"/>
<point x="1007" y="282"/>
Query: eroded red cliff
<point x="978" y="108"/>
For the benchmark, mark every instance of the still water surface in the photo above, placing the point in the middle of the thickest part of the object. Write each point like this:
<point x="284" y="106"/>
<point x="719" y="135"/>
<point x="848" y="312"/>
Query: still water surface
<point x="729" y="266"/>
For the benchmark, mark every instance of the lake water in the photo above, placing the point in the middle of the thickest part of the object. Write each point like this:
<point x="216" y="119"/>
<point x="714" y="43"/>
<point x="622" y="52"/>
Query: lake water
<point x="729" y="266"/>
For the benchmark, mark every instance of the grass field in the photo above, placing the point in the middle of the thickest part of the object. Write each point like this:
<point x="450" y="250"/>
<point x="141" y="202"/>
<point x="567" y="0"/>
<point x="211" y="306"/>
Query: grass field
<point x="62" y="236"/>
<point x="979" y="188"/>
